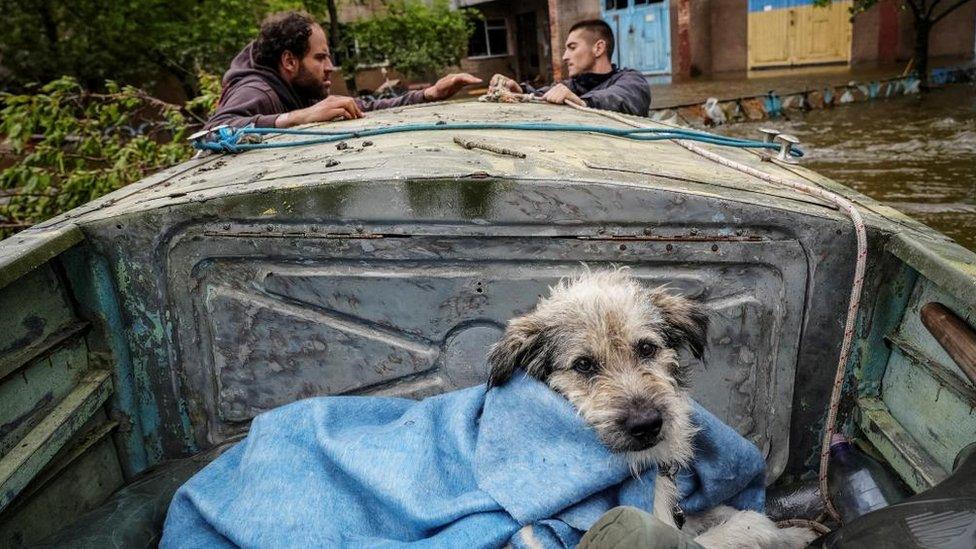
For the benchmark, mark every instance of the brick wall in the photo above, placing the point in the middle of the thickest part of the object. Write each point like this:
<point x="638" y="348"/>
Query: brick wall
<point x="562" y="15"/>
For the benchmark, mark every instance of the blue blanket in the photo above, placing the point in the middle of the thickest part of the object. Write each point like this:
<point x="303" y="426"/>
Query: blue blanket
<point x="467" y="469"/>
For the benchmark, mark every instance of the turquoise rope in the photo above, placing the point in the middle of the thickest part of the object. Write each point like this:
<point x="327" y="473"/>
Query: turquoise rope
<point x="228" y="139"/>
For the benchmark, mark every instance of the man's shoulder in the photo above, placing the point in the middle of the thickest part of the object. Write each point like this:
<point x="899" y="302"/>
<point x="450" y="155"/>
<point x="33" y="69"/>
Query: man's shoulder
<point x="629" y="74"/>
<point x="251" y="82"/>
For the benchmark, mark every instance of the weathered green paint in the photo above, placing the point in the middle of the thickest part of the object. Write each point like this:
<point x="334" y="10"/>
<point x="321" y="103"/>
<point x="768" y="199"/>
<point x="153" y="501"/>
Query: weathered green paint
<point x="26" y="398"/>
<point x="948" y="265"/>
<point x="930" y="409"/>
<point x="903" y="453"/>
<point x="39" y="446"/>
<point x="97" y="298"/>
<point x="897" y="283"/>
<point x="26" y="251"/>
<point x="63" y="337"/>
<point x="36" y="315"/>
<point x="79" y="480"/>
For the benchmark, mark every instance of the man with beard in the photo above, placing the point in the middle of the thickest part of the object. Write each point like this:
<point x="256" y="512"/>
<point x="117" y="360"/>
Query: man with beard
<point x="593" y="80"/>
<point x="282" y="79"/>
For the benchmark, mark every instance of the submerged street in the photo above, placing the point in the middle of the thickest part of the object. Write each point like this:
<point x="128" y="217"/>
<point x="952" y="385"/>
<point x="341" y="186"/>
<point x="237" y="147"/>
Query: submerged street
<point x="916" y="154"/>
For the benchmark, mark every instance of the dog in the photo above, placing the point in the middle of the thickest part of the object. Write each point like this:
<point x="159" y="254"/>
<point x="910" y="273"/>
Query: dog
<point x="610" y="346"/>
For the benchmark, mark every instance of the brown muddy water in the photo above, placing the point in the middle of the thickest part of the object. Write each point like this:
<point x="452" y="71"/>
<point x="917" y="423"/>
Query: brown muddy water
<point x="915" y="154"/>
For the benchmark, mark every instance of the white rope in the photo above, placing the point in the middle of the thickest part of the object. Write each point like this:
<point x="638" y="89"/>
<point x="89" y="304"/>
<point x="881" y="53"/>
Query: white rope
<point x="862" y="253"/>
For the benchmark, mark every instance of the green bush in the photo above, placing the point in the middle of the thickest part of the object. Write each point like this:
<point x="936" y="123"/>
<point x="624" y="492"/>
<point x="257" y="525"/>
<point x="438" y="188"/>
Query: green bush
<point x="131" y="41"/>
<point x="73" y="146"/>
<point x="417" y="39"/>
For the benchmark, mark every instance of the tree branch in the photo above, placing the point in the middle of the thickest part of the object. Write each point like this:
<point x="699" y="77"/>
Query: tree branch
<point x="931" y="10"/>
<point x="916" y="9"/>
<point x="949" y="10"/>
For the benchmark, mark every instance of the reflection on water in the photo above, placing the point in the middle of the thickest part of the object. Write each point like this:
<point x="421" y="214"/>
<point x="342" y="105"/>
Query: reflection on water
<point x="916" y="154"/>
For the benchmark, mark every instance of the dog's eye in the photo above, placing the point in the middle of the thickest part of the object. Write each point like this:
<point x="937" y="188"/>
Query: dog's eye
<point x="646" y="349"/>
<point x="584" y="365"/>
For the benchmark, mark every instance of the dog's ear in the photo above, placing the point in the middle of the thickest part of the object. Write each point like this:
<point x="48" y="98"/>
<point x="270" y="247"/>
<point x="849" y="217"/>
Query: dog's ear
<point x="525" y="346"/>
<point x="685" y="322"/>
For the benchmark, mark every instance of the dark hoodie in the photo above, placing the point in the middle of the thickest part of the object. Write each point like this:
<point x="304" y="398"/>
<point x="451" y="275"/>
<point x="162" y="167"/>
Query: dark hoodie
<point x="255" y="94"/>
<point x="621" y="90"/>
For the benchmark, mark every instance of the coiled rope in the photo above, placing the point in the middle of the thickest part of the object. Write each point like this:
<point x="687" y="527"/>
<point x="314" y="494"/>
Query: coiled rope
<point x="858" y="283"/>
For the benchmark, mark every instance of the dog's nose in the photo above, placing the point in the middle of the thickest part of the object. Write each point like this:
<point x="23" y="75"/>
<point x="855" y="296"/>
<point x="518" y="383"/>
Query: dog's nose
<point x="644" y="425"/>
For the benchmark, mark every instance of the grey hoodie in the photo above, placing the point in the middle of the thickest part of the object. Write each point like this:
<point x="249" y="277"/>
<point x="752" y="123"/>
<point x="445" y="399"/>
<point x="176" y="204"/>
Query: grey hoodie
<point x="255" y="94"/>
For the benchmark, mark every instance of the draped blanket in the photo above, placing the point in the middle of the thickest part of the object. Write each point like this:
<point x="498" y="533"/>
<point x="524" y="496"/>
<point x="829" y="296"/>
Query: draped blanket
<point x="471" y="468"/>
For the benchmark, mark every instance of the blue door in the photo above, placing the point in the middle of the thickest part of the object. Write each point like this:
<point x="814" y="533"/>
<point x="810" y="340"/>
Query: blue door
<point x="643" y="33"/>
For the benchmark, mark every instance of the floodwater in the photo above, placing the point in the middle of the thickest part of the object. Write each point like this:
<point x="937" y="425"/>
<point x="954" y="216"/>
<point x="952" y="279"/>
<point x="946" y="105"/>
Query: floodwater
<point x="916" y="154"/>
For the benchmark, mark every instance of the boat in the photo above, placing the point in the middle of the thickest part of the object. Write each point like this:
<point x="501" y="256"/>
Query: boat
<point x="141" y="333"/>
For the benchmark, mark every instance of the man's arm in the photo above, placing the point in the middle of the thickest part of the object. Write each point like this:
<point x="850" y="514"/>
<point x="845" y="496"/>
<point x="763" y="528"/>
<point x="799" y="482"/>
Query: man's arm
<point x="409" y="98"/>
<point x="444" y="88"/>
<point x="247" y="104"/>
<point x="630" y="94"/>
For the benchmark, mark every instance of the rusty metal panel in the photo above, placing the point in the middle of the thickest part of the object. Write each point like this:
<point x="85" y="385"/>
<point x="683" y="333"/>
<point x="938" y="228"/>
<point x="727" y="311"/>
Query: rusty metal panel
<point x="266" y="319"/>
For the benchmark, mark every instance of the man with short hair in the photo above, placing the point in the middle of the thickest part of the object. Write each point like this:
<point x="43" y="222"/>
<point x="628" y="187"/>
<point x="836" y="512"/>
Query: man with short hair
<point x="282" y="79"/>
<point x="593" y="80"/>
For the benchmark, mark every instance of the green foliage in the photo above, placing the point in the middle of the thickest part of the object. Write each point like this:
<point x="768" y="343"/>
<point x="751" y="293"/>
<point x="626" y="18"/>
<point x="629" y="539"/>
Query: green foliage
<point x="416" y="38"/>
<point x="133" y="41"/>
<point x="73" y="146"/>
<point x="201" y="106"/>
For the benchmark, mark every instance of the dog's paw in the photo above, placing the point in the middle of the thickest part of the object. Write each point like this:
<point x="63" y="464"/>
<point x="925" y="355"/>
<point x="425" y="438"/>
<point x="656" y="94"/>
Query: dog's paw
<point x="749" y="530"/>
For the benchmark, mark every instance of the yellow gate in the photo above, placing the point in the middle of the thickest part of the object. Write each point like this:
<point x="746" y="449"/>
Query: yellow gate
<point x="795" y="32"/>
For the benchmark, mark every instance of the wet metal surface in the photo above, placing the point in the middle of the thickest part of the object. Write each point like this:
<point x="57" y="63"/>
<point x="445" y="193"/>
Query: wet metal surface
<point x="915" y="154"/>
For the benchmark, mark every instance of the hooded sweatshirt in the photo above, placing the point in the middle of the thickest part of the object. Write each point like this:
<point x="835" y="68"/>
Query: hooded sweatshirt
<point x="621" y="90"/>
<point x="255" y="94"/>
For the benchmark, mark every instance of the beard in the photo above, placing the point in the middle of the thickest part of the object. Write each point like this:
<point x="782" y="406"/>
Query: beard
<point x="308" y="86"/>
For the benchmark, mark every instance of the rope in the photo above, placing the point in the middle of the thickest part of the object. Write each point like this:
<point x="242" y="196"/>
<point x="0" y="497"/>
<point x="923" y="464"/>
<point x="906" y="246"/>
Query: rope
<point x="862" y="253"/>
<point x="232" y="140"/>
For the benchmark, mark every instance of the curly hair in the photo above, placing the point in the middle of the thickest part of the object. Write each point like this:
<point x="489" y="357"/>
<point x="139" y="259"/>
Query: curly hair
<point x="280" y="32"/>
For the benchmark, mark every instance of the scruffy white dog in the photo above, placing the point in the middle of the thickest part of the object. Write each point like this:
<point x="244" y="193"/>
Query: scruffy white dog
<point x="609" y="345"/>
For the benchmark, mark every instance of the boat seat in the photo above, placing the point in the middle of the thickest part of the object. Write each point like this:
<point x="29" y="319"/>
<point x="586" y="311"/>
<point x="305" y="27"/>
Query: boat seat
<point x="134" y="515"/>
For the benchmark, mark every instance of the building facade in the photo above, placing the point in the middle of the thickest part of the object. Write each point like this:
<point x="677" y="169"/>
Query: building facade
<point x="688" y="38"/>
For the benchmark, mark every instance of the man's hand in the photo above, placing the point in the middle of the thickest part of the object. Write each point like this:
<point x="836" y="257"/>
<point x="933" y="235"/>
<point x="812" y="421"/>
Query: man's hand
<point x="502" y="82"/>
<point x="334" y="107"/>
<point x="560" y="94"/>
<point x="449" y="85"/>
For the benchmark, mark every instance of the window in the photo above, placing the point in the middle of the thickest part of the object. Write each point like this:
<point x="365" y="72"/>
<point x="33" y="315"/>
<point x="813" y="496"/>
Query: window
<point x="616" y="4"/>
<point x="490" y="38"/>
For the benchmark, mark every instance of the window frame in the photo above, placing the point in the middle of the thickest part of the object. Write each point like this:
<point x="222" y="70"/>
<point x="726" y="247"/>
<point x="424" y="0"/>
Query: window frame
<point x="488" y="26"/>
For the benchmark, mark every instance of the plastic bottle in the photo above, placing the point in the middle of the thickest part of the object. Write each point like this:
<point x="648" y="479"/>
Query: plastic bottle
<point x="858" y="483"/>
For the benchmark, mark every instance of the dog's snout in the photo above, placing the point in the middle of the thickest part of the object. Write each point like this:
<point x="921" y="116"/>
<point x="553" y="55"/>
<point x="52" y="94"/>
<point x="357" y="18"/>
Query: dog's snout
<point x="644" y="425"/>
